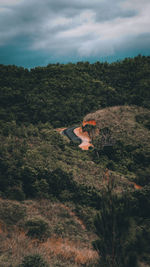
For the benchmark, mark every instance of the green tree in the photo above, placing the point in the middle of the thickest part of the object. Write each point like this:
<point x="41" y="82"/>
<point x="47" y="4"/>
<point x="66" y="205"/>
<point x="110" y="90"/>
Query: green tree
<point x="116" y="230"/>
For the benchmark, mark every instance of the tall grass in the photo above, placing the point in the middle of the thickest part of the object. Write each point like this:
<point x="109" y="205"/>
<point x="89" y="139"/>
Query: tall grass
<point x="16" y="247"/>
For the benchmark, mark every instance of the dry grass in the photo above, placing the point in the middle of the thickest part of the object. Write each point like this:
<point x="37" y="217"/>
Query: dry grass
<point x="71" y="247"/>
<point x="15" y="247"/>
<point x="121" y="120"/>
<point x="69" y="250"/>
<point x="53" y="212"/>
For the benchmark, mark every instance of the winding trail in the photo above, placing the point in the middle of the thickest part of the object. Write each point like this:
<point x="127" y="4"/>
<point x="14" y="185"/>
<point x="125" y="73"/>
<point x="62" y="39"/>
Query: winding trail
<point x="69" y="132"/>
<point x="84" y="136"/>
<point x="79" y="137"/>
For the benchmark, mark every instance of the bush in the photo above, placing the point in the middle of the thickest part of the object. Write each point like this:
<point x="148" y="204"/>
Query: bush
<point x="15" y="193"/>
<point x="143" y="176"/>
<point x="37" y="228"/>
<point x="41" y="188"/>
<point x="60" y="181"/>
<point x="143" y="119"/>
<point x="34" y="260"/>
<point x="11" y="213"/>
<point x="116" y="230"/>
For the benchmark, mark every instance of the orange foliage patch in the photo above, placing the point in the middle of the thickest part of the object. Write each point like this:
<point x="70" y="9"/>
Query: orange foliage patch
<point x="136" y="186"/>
<point x="91" y="122"/>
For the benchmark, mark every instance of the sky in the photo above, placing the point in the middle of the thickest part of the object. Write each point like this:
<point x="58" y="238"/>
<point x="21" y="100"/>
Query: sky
<point x="40" y="32"/>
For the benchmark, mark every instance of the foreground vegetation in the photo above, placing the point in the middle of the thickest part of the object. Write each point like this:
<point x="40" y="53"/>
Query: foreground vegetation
<point x="50" y="190"/>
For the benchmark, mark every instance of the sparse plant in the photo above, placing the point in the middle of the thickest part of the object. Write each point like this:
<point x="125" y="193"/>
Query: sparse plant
<point x="11" y="212"/>
<point x="41" y="188"/>
<point x="34" y="260"/>
<point x="37" y="228"/>
<point x="15" y="193"/>
<point x="116" y="229"/>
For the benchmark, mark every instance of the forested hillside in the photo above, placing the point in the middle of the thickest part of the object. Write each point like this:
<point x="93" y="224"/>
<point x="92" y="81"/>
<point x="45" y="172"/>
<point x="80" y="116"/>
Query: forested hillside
<point x="55" y="199"/>
<point x="63" y="94"/>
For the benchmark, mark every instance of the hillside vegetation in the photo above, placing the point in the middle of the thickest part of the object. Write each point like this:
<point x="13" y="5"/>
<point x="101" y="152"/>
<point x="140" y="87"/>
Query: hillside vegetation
<point x="64" y="94"/>
<point x="122" y="140"/>
<point x="51" y="190"/>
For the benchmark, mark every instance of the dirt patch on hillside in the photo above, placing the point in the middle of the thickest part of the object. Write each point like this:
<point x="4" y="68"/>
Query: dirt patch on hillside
<point x="86" y="141"/>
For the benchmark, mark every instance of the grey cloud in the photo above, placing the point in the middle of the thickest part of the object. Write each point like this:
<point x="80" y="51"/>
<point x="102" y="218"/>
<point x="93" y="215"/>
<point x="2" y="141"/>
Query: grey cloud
<point x="106" y="12"/>
<point x="59" y="26"/>
<point x="140" y="42"/>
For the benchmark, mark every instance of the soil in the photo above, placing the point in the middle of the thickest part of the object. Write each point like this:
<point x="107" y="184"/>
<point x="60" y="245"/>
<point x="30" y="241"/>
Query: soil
<point x="86" y="141"/>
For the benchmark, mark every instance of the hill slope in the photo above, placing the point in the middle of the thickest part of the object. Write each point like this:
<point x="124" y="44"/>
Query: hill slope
<point x="122" y="140"/>
<point x="51" y="190"/>
<point x="64" y="94"/>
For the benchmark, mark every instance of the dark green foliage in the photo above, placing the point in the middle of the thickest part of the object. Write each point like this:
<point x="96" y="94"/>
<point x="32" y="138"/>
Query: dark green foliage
<point x="34" y="260"/>
<point x="87" y="195"/>
<point x="11" y="213"/>
<point x="41" y="188"/>
<point x="144" y="119"/>
<point x="123" y="157"/>
<point x="142" y="202"/>
<point x="116" y="230"/>
<point x="19" y="178"/>
<point x="59" y="181"/>
<point x="37" y="228"/>
<point x="36" y="162"/>
<point x="63" y="94"/>
<point x="143" y="176"/>
<point x="24" y="174"/>
<point x="15" y="193"/>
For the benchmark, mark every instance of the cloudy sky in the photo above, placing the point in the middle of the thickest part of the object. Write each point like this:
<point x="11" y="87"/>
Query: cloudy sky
<point x="39" y="32"/>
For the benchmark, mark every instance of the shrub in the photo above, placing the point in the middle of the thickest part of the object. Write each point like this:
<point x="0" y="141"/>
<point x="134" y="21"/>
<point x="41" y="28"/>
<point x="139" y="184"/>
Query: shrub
<point x="116" y="229"/>
<point x="60" y="181"/>
<point x="37" y="228"/>
<point x="41" y="188"/>
<point x="34" y="260"/>
<point x="143" y="177"/>
<point x="11" y="213"/>
<point x="144" y="119"/>
<point x="15" y="193"/>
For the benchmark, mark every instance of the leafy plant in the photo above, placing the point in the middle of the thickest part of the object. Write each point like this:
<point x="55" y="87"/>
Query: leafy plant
<point x="116" y="230"/>
<point x="11" y="212"/>
<point x="37" y="228"/>
<point x="34" y="260"/>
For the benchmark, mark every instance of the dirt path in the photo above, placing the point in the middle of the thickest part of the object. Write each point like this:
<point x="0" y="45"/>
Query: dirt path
<point x="86" y="141"/>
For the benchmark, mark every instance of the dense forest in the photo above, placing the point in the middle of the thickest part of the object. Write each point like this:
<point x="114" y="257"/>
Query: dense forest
<point x="91" y="193"/>
<point x="63" y="94"/>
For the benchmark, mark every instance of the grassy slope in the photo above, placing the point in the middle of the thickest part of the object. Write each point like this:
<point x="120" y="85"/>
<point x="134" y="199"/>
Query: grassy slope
<point x="129" y="125"/>
<point x="121" y="120"/>
<point x="69" y="242"/>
